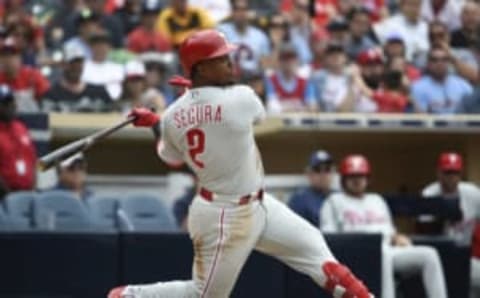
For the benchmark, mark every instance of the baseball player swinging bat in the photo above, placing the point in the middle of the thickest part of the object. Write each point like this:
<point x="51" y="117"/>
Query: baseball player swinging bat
<point x="81" y="145"/>
<point x="210" y="127"/>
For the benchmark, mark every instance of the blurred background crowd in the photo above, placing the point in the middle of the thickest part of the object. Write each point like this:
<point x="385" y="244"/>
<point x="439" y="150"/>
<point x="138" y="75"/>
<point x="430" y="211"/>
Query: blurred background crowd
<point x="314" y="56"/>
<point x="386" y="56"/>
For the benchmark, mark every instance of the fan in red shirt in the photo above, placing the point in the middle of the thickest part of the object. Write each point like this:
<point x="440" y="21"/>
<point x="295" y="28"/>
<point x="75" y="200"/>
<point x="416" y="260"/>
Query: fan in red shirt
<point x="389" y="97"/>
<point x="318" y="42"/>
<point x="144" y="38"/>
<point x="27" y="83"/>
<point x="17" y="153"/>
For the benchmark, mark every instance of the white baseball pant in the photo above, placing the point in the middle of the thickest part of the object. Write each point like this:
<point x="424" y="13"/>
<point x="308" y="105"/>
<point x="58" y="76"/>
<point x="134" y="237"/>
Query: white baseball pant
<point x="475" y="277"/>
<point x="421" y="259"/>
<point x="224" y="234"/>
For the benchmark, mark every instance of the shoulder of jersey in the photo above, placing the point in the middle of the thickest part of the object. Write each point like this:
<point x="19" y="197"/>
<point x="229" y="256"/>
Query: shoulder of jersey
<point x="469" y="186"/>
<point x="336" y="196"/>
<point x="243" y="89"/>
<point x="374" y="196"/>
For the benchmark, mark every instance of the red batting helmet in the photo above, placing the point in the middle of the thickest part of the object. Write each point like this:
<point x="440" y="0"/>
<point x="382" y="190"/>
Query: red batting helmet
<point x="203" y="45"/>
<point x="450" y="161"/>
<point x="355" y="164"/>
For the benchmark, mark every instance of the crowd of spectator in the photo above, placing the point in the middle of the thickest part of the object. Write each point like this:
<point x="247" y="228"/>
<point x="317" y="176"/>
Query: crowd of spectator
<point x="317" y="56"/>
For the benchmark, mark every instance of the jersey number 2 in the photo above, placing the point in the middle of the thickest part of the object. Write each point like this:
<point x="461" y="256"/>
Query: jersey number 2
<point x="196" y="145"/>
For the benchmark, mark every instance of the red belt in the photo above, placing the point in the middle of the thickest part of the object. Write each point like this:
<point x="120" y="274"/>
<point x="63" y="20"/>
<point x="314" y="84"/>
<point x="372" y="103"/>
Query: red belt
<point x="208" y="196"/>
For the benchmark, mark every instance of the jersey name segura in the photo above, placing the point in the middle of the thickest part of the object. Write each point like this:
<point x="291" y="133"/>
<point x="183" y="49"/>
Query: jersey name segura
<point x="198" y="114"/>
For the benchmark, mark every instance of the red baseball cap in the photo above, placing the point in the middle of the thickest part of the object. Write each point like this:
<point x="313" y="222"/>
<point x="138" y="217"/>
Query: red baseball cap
<point x="450" y="161"/>
<point x="372" y="56"/>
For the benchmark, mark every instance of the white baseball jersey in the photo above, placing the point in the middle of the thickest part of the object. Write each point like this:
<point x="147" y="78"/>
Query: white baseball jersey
<point x="370" y="214"/>
<point x="211" y="129"/>
<point x="469" y="195"/>
<point x="344" y="213"/>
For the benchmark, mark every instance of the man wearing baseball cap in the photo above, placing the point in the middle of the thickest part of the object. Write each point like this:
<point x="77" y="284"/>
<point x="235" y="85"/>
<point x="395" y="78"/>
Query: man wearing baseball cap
<point x="17" y="169"/>
<point x="70" y="94"/>
<point x="72" y="174"/>
<point x="356" y="210"/>
<point x="449" y="185"/>
<point x="286" y="90"/>
<point x="27" y="83"/>
<point x="307" y="201"/>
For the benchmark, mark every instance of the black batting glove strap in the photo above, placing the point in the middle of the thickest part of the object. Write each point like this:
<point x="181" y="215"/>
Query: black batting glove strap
<point x="156" y="130"/>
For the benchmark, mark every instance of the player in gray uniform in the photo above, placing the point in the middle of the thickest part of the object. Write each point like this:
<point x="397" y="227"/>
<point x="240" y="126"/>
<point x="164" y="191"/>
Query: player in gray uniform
<point x="210" y="127"/>
<point x="354" y="210"/>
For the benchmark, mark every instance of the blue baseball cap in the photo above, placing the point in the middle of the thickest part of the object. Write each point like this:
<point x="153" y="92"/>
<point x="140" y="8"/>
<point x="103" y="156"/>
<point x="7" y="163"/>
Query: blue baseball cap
<point x="320" y="157"/>
<point x="394" y="37"/>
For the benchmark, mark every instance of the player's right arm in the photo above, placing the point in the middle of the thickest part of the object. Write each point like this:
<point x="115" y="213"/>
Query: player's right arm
<point x="165" y="149"/>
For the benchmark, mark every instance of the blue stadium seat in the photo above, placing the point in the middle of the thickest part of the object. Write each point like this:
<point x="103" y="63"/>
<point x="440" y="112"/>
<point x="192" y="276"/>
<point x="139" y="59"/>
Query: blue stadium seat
<point x="18" y="206"/>
<point x="145" y="213"/>
<point x="61" y="211"/>
<point x="103" y="211"/>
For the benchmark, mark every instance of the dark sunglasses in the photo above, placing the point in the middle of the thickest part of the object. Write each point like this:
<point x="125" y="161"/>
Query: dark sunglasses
<point x="439" y="59"/>
<point x="451" y="172"/>
<point x="322" y="168"/>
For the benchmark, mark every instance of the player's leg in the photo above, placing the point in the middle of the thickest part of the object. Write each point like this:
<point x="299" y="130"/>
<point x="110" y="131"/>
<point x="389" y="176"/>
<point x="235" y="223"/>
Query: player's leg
<point x="425" y="260"/>
<point x="301" y="246"/>
<point x="388" y="274"/>
<point x="218" y="263"/>
<point x="475" y="278"/>
<point x="223" y="238"/>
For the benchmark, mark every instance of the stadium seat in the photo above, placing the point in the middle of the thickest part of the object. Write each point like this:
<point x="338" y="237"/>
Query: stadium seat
<point x="18" y="206"/>
<point x="103" y="211"/>
<point x="144" y="213"/>
<point x="61" y="211"/>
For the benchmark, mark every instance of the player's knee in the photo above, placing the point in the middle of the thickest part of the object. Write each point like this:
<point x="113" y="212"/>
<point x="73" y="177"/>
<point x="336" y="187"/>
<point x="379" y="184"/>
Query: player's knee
<point x="429" y="255"/>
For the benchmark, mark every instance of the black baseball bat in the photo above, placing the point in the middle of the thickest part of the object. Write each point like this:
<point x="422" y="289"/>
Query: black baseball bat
<point x="62" y="153"/>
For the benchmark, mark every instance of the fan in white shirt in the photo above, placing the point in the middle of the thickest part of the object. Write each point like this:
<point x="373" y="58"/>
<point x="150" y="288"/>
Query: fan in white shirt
<point x="407" y="24"/>
<point x="448" y="12"/>
<point x="354" y="210"/>
<point x="99" y="70"/>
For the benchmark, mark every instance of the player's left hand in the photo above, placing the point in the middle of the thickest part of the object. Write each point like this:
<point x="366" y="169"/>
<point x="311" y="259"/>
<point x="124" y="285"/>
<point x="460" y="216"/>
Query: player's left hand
<point x="144" y="117"/>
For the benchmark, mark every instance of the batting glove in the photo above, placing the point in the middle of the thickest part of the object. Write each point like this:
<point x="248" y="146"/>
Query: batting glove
<point x="144" y="117"/>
